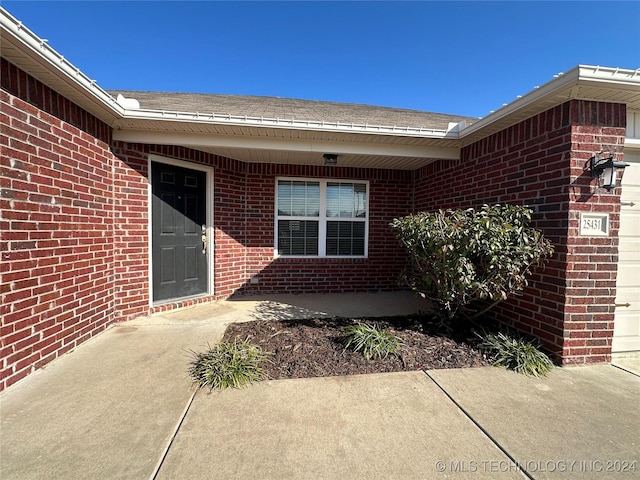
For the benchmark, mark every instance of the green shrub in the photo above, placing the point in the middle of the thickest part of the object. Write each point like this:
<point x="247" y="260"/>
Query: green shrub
<point x="517" y="354"/>
<point x="370" y="340"/>
<point x="228" y="365"/>
<point x="468" y="260"/>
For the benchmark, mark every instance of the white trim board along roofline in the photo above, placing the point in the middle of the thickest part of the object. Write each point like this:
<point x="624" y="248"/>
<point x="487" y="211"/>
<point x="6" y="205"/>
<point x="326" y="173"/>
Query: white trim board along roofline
<point x="32" y="54"/>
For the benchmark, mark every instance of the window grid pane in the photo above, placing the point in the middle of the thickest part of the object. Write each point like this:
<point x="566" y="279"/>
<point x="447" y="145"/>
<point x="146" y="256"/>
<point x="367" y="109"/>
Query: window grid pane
<point x="298" y="199"/>
<point x="346" y="200"/>
<point x="298" y="237"/>
<point x="333" y="203"/>
<point x="345" y="238"/>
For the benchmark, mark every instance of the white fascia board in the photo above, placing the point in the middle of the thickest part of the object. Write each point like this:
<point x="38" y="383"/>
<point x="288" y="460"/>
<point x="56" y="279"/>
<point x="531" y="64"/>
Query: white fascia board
<point x="283" y="123"/>
<point x="530" y="98"/>
<point x="582" y="74"/>
<point x="37" y="49"/>
<point x="617" y="76"/>
<point x="296" y="145"/>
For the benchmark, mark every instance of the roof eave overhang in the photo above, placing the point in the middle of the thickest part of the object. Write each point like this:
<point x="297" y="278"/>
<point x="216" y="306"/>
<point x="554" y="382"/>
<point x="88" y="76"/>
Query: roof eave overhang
<point x="134" y="118"/>
<point x="584" y="82"/>
<point x="338" y="144"/>
<point x="30" y="53"/>
<point x="208" y="131"/>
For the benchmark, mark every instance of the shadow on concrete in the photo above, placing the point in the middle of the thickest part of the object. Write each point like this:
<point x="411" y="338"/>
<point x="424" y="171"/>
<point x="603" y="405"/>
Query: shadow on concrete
<point x="355" y="305"/>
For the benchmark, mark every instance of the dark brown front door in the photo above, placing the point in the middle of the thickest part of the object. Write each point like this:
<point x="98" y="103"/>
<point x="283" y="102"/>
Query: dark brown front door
<point x="179" y="252"/>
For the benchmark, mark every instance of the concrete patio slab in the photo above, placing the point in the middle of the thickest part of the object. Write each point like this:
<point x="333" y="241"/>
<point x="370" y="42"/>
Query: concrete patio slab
<point x="579" y="422"/>
<point x="383" y="426"/>
<point x="110" y="409"/>
<point x="290" y="306"/>
<point x="627" y="361"/>
<point x="284" y="307"/>
<point x="105" y="410"/>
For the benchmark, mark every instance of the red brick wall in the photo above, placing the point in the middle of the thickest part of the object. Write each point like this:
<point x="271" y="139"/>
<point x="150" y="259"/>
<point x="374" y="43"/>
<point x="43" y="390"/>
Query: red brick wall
<point x="230" y="222"/>
<point x="56" y="225"/>
<point x="130" y="234"/>
<point x="390" y="195"/>
<point x="539" y="163"/>
<point x="592" y="261"/>
<point x="75" y="240"/>
<point x="244" y="197"/>
<point x="131" y="226"/>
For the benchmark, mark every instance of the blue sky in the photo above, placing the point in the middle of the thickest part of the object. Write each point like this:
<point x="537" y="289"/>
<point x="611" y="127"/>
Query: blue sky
<point x="465" y="58"/>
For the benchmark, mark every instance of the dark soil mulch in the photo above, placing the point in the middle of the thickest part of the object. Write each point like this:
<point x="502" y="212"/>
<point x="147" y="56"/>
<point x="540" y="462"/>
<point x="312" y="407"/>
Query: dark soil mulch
<point x="310" y="348"/>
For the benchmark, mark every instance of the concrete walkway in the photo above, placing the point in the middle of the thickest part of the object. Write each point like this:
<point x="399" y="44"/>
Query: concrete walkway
<point x="121" y="407"/>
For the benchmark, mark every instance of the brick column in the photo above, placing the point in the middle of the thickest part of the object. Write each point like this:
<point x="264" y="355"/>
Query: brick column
<point x="539" y="162"/>
<point x="592" y="261"/>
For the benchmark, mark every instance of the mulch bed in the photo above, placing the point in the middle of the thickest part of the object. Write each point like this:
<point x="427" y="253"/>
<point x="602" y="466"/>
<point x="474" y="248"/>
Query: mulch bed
<point x="310" y="348"/>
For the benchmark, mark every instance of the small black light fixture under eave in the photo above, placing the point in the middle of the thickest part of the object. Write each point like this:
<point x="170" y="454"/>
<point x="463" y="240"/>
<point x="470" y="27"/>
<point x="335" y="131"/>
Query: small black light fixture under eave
<point x="605" y="168"/>
<point x="330" y="159"/>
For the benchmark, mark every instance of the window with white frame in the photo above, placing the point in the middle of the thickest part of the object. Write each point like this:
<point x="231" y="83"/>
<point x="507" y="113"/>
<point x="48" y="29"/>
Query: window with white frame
<point x="321" y="218"/>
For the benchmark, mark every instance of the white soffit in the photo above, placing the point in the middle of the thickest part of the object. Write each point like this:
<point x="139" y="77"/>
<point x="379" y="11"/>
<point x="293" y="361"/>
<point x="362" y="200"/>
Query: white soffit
<point x="341" y="146"/>
<point x="315" y="158"/>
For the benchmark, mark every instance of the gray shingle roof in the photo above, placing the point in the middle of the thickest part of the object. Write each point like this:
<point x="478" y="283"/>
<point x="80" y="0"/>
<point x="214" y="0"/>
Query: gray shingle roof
<point x="288" y="108"/>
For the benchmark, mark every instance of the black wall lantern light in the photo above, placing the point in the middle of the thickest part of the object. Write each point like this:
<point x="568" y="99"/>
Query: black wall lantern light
<point x="605" y="168"/>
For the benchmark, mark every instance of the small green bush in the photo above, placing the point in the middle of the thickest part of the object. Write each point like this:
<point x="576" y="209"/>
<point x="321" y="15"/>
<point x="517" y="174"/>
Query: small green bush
<point x="517" y="354"/>
<point x="468" y="260"/>
<point x="228" y="365"/>
<point x="370" y="340"/>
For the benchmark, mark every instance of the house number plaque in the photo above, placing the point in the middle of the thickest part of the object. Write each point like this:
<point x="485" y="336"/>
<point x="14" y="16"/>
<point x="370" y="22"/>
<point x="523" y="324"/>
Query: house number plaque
<point x="594" y="224"/>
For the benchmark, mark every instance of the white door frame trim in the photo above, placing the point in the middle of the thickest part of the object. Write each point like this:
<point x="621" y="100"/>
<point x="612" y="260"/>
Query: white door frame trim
<point x="209" y="218"/>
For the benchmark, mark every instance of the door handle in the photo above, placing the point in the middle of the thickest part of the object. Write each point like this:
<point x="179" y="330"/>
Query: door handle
<point x="204" y="239"/>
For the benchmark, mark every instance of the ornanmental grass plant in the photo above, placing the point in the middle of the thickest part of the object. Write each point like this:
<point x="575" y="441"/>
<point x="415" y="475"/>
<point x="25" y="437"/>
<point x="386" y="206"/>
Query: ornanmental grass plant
<point x="230" y="364"/>
<point x="370" y="340"/>
<point x="517" y="354"/>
